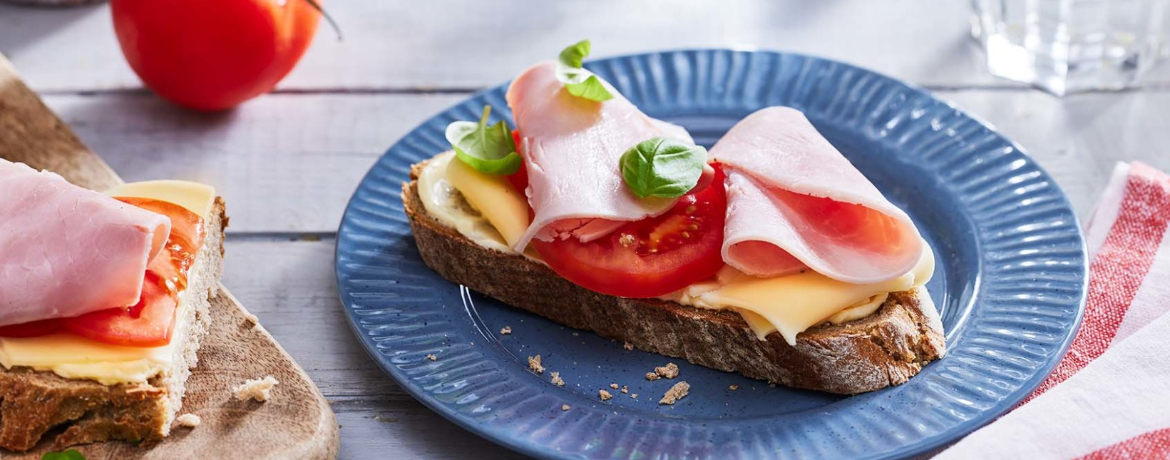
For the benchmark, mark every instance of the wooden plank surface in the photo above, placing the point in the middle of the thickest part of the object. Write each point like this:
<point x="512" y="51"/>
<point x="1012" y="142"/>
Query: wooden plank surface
<point x="296" y="423"/>
<point x="471" y="44"/>
<point x="284" y="162"/>
<point x="289" y="162"/>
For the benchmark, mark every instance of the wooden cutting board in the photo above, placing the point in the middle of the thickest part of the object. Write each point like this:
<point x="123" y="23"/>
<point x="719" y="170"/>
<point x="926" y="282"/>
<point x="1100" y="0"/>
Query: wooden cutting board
<point x="296" y="422"/>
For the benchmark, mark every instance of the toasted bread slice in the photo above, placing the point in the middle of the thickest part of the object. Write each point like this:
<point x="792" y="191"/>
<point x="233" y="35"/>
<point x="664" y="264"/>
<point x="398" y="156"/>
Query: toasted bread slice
<point x="883" y="349"/>
<point x="38" y="404"/>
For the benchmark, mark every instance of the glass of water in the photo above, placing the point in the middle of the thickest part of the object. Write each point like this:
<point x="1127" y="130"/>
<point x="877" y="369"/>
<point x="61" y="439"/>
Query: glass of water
<point x="1068" y="46"/>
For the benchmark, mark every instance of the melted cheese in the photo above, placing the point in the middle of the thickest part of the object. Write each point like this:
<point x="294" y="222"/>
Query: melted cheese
<point x="791" y="304"/>
<point x="788" y="304"/>
<point x="444" y="203"/>
<point x="493" y="198"/>
<point x="196" y="197"/>
<point x="75" y="357"/>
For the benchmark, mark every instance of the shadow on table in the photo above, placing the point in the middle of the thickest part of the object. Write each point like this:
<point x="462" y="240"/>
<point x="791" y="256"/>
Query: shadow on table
<point x="22" y="26"/>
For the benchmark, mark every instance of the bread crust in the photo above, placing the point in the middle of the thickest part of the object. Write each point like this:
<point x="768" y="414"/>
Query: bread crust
<point x="41" y="404"/>
<point x="883" y="349"/>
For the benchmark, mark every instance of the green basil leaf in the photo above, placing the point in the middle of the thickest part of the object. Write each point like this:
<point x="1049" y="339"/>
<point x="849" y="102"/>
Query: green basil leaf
<point x="663" y="168"/>
<point x="71" y="454"/>
<point x="578" y="81"/>
<point x="487" y="149"/>
<point x="575" y="54"/>
<point x="591" y="89"/>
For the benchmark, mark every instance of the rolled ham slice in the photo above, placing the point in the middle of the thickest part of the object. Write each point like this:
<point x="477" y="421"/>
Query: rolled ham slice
<point x="67" y="251"/>
<point x="571" y="148"/>
<point x="794" y="202"/>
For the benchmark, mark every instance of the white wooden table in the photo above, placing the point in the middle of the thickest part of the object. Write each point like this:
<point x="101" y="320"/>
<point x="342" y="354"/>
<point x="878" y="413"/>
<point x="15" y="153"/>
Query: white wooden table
<point x="288" y="162"/>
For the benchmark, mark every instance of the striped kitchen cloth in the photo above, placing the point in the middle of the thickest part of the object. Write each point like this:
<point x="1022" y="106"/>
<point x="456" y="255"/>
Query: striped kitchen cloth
<point x="1109" y="398"/>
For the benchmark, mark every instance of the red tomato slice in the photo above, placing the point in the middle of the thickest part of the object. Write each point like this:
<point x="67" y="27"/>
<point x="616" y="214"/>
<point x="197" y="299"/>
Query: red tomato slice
<point x="650" y="257"/>
<point x="149" y="323"/>
<point x="182" y="247"/>
<point x="519" y="179"/>
<point x="31" y="329"/>
<point x="186" y="226"/>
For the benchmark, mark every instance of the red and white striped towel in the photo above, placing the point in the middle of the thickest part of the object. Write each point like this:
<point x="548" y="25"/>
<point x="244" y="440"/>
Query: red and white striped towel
<point x="1110" y="396"/>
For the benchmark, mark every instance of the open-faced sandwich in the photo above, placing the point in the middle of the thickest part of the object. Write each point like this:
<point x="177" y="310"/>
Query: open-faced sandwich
<point x="104" y="298"/>
<point x="770" y="255"/>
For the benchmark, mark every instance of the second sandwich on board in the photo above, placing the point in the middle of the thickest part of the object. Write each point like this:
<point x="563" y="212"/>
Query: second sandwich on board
<point x="104" y="299"/>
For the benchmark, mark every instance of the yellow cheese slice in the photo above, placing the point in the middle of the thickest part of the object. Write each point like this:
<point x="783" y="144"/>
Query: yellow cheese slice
<point x="445" y="204"/>
<point x="494" y="198"/>
<point x="791" y="304"/>
<point x="76" y="357"/>
<point x="196" y="197"/>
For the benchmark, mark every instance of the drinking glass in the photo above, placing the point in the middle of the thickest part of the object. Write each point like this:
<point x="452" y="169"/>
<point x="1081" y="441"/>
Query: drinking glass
<point x="1068" y="46"/>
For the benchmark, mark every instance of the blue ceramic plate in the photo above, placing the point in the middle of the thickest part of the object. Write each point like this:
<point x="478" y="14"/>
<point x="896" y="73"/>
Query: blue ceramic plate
<point x="1010" y="283"/>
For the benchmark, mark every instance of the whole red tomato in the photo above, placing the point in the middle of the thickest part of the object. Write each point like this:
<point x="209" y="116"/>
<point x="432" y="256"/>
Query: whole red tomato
<point x="213" y="54"/>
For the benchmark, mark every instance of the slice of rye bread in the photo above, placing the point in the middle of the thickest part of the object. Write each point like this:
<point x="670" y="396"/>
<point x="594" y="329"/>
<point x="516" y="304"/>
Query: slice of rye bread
<point x="883" y="349"/>
<point x="79" y="411"/>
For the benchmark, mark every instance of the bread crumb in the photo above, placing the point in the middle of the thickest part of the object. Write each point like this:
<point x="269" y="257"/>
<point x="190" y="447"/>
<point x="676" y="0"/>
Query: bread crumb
<point x="188" y="420"/>
<point x="604" y="395"/>
<point x="575" y="334"/>
<point x="625" y="389"/>
<point x="628" y="346"/>
<point x="432" y="357"/>
<point x="534" y="364"/>
<point x="651" y="376"/>
<point x="670" y="371"/>
<point x="506" y="330"/>
<point x="635" y="396"/>
<point x="675" y="393"/>
<point x="733" y="387"/>
<point x="255" y="389"/>
<point x="613" y="385"/>
<point x="251" y="320"/>
<point x="556" y="379"/>
<point x="564" y="407"/>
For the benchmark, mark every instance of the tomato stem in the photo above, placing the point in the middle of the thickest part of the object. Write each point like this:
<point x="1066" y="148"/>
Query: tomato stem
<point x="332" y="23"/>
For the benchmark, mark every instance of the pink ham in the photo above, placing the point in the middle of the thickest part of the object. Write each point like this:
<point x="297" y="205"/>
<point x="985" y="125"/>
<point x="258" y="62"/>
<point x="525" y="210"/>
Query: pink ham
<point x="571" y="149"/>
<point x="65" y="250"/>
<point x="795" y="201"/>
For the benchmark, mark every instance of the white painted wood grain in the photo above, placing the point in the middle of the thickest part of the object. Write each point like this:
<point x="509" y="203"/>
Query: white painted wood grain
<point x="472" y="44"/>
<point x="289" y="162"/>
<point x="283" y="162"/>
